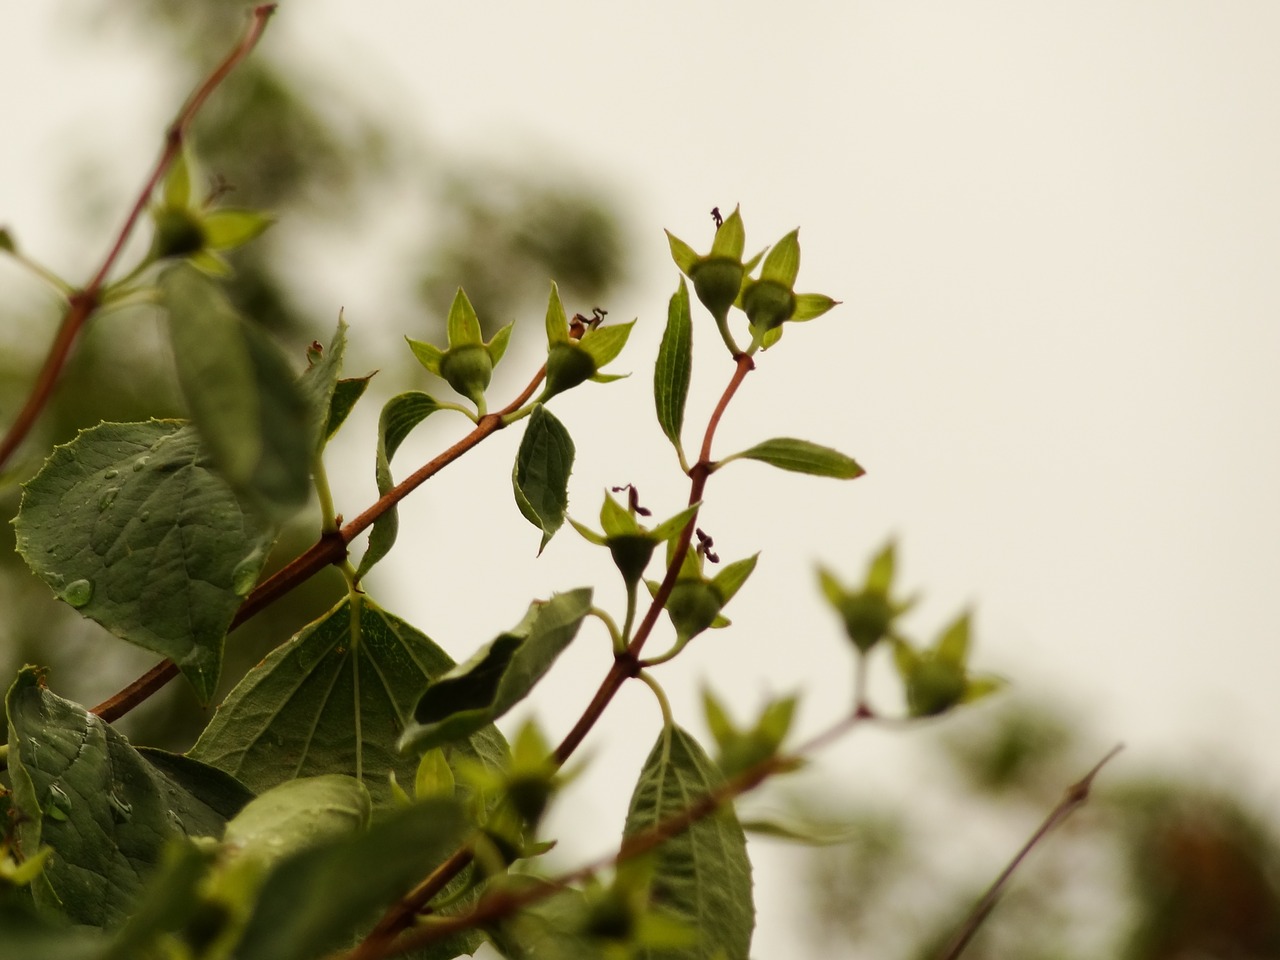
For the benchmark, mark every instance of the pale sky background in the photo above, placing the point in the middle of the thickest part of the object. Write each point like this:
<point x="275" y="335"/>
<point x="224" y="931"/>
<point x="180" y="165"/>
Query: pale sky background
<point x="1055" y="229"/>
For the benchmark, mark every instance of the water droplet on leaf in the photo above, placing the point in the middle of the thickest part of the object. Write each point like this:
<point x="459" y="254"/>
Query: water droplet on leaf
<point x="108" y="497"/>
<point x="175" y="821"/>
<point x="111" y="474"/>
<point x="59" y="806"/>
<point x="78" y="592"/>
<point x="139" y="464"/>
<point x="121" y="809"/>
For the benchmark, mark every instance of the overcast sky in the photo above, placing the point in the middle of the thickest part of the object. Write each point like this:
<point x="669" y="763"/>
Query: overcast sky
<point x="1055" y="228"/>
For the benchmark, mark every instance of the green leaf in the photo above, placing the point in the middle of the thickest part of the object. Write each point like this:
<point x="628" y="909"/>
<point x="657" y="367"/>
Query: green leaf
<point x="801" y="456"/>
<point x="329" y="701"/>
<point x="540" y="477"/>
<point x="346" y="394"/>
<point x="298" y="814"/>
<point x="701" y="876"/>
<point x="319" y="383"/>
<point x="129" y="524"/>
<point x="170" y="900"/>
<point x="227" y="228"/>
<point x="463" y="324"/>
<point x="176" y="191"/>
<point x="557" y="323"/>
<point x="26" y="935"/>
<point x="500" y="675"/>
<point x="80" y="788"/>
<point x="604" y="344"/>
<point x="731" y="238"/>
<point x="314" y="901"/>
<point x="685" y="256"/>
<point x="811" y="305"/>
<point x="730" y="580"/>
<point x="428" y="354"/>
<point x="498" y="343"/>
<point x="782" y="264"/>
<point x="880" y="572"/>
<point x="401" y="414"/>
<point x="674" y="368"/>
<point x="953" y="645"/>
<point x="242" y="393"/>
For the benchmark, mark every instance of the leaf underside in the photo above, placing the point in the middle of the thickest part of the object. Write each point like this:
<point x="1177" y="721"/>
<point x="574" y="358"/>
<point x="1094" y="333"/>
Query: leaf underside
<point x="323" y="704"/>
<point x="702" y="875"/>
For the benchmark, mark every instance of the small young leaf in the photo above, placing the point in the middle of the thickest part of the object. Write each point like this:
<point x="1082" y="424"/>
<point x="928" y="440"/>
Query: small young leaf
<point x="674" y="367"/>
<point x="540" y="477"/>
<point x="321" y="704"/>
<point x="731" y="237"/>
<point x="243" y="396"/>
<point x="319" y="383"/>
<point x="401" y="414"/>
<point x="227" y="228"/>
<point x="782" y="264"/>
<point x="80" y="788"/>
<point x="557" y="322"/>
<point x="702" y="875"/>
<point x="428" y="354"/>
<point x="346" y="394"/>
<point x="499" y="676"/>
<point x="463" y="324"/>
<point x="130" y="525"/>
<point x="605" y="343"/>
<point x="801" y="456"/>
<point x="176" y="191"/>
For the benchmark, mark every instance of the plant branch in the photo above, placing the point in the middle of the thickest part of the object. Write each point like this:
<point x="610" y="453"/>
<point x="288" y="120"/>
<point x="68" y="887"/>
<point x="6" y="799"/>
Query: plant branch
<point x="82" y="304"/>
<point x="626" y="664"/>
<point x="330" y="549"/>
<point x="1073" y="799"/>
<point x="503" y="902"/>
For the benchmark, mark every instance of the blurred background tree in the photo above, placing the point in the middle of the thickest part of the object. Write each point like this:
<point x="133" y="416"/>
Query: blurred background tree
<point x="277" y="137"/>
<point x="1157" y="866"/>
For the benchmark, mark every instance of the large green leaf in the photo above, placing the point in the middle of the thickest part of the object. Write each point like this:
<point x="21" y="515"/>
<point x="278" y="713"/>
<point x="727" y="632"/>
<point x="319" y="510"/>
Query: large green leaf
<point x="541" y="473"/>
<point x="801" y="456"/>
<point x="297" y="814"/>
<point x="399" y="416"/>
<point x="674" y="367"/>
<point x="129" y="524"/>
<point x="243" y="395"/>
<point x="80" y="788"/>
<point x="314" y="900"/>
<point x="24" y="935"/>
<point x="333" y="699"/>
<point x="702" y="875"/>
<point x="500" y="675"/>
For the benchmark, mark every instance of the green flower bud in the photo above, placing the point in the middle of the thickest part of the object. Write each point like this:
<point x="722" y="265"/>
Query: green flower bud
<point x="768" y="304"/>
<point x="467" y="368"/>
<point x="178" y="233"/>
<point x="934" y="686"/>
<point x="717" y="282"/>
<point x="631" y="554"/>
<point x="567" y="366"/>
<point x="868" y="617"/>
<point x="693" y="606"/>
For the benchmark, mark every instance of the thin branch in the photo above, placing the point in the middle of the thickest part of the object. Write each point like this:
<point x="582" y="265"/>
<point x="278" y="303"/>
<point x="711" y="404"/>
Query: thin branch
<point x="501" y="903"/>
<point x="82" y="304"/>
<point x="330" y="549"/>
<point x="625" y="665"/>
<point x="1073" y="799"/>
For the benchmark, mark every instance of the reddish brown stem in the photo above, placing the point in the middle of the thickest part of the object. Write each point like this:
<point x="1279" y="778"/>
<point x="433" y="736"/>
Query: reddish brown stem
<point x="626" y="665"/>
<point x="84" y="303"/>
<point x="329" y="549"/>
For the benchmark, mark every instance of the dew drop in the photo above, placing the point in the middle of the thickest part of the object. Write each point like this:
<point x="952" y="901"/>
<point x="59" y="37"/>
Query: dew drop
<point x="78" y="592"/>
<point x="59" y="806"/>
<point x="175" y="821"/>
<point x="108" y="497"/>
<point x="245" y="575"/>
<point x="121" y="809"/>
<point x="139" y="464"/>
<point x="144" y="516"/>
<point x="111" y="474"/>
